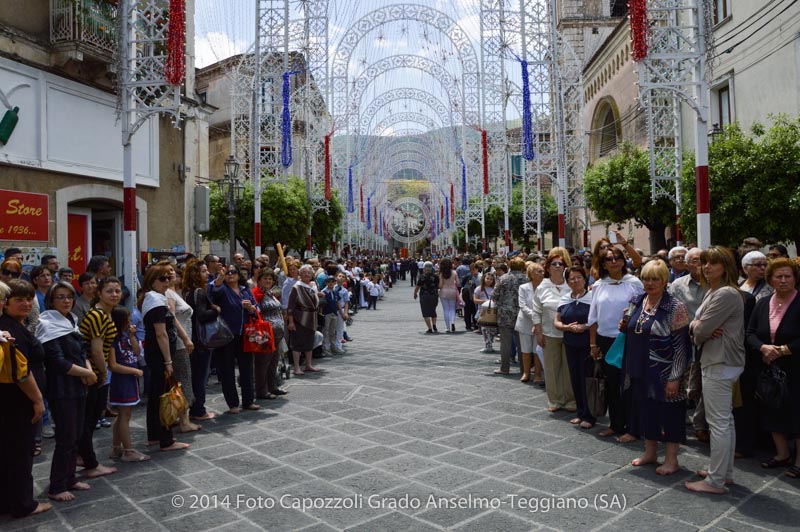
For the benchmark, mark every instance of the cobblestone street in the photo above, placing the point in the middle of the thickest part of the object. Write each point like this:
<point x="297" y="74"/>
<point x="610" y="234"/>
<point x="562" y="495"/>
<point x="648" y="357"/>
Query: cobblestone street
<point x="413" y="420"/>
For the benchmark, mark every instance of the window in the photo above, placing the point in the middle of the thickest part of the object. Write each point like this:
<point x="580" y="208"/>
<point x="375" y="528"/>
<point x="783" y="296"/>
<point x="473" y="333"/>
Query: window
<point x="724" y="105"/>
<point x="608" y="132"/>
<point x="720" y="10"/>
<point x="619" y="8"/>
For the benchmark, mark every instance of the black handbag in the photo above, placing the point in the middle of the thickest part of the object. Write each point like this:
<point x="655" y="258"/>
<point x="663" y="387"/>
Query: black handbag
<point x="596" y="390"/>
<point x="214" y="334"/>
<point x="771" y="388"/>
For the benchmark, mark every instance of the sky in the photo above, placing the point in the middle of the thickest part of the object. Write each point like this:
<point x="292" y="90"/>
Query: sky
<point x="225" y="28"/>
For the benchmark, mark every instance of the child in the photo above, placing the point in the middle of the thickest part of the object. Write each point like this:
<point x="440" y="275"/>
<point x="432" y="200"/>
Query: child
<point x="374" y="292"/>
<point x="124" y="391"/>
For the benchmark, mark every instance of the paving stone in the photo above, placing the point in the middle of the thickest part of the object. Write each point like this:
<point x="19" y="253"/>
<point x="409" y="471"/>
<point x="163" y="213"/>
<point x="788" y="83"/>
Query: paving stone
<point x="406" y="464"/>
<point x="526" y="437"/>
<point x="546" y="483"/>
<point x="373" y="454"/>
<point x="246" y="463"/>
<point x="339" y="470"/>
<point x="150" y="485"/>
<point x="636" y="520"/>
<point x="423" y="448"/>
<point x="137" y="522"/>
<point x="385" y="437"/>
<point x="393" y="522"/>
<point x="279" y="519"/>
<point x="352" y="428"/>
<point x="775" y="509"/>
<point x="585" y="470"/>
<point x="496" y="521"/>
<point x="204" y="520"/>
<point x="369" y="482"/>
<point x="97" y="511"/>
<point x="312" y="458"/>
<point x="343" y="443"/>
<point x="276" y="478"/>
<point x="447" y="477"/>
<point x="466" y="460"/>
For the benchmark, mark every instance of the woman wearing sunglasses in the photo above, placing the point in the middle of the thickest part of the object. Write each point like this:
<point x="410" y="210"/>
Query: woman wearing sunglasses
<point x="10" y="269"/>
<point x="611" y="296"/>
<point x="229" y="291"/>
<point x="545" y="309"/>
<point x="160" y="336"/>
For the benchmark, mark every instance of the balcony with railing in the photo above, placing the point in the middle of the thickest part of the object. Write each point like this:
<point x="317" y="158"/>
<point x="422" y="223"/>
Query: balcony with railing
<point x="83" y="28"/>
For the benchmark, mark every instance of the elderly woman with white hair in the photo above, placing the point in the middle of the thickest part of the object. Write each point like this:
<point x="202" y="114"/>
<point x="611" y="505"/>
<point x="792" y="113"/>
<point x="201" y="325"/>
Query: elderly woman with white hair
<point x="301" y="318"/>
<point x="427" y="290"/>
<point x="754" y="265"/>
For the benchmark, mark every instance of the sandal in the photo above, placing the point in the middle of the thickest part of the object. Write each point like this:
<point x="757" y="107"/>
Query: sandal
<point x="774" y="463"/>
<point x="793" y="472"/>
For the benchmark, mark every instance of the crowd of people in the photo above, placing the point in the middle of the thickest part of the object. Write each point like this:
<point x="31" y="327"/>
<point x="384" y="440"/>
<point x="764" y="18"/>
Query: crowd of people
<point x="712" y="332"/>
<point x="685" y="330"/>
<point x="73" y="355"/>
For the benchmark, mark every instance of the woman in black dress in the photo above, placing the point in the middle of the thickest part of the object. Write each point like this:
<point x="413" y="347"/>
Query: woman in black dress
<point x="428" y="291"/>
<point x="159" y="347"/>
<point x="773" y="333"/>
<point x="21" y="402"/>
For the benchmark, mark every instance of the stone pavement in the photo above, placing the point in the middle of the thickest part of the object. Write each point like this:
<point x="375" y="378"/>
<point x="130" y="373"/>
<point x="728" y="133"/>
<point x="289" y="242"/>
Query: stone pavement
<point x="408" y="432"/>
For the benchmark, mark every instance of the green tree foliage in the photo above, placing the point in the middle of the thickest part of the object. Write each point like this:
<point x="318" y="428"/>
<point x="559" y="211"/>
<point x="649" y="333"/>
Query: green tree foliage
<point x="549" y="215"/>
<point x="754" y="184"/>
<point x="284" y="216"/>
<point x="326" y="224"/>
<point x="618" y="190"/>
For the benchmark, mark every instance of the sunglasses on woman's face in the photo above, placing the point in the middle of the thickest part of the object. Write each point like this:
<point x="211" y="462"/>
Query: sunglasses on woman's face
<point x="231" y="272"/>
<point x="164" y="278"/>
<point x="613" y="259"/>
<point x="11" y="273"/>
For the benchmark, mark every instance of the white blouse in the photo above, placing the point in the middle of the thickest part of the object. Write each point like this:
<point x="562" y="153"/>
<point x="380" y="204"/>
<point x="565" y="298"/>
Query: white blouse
<point x="546" y="301"/>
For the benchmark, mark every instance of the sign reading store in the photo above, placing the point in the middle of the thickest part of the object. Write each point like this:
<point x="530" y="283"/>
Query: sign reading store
<point x="24" y="216"/>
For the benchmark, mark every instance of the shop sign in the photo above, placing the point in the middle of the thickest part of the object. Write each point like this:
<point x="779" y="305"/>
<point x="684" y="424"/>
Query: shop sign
<point x="24" y="216"/>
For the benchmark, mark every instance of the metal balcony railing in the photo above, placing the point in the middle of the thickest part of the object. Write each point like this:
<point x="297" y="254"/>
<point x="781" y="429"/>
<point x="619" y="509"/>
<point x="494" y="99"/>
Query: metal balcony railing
<point x="84" y="22"/>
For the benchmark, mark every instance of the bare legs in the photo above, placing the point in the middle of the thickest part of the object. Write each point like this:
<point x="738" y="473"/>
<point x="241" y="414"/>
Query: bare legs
<point x="296" y="358"/>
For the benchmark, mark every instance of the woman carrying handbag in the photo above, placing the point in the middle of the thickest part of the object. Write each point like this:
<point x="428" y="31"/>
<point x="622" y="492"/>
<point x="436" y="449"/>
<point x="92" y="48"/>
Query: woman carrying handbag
<point x="195" y="292"/>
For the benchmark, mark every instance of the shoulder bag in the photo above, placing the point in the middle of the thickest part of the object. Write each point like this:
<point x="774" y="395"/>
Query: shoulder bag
<point x="488" y="315"/>
<point x="172" y="404"/>
<point x="771" y="388"/>
<point x="596" y="390"/>
<point x="615" y="352"/>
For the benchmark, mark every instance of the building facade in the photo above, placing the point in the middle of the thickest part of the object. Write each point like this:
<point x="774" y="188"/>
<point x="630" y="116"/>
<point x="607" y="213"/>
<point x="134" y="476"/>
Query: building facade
<point x="755" y="74"/>
<point x="57" y="66"/>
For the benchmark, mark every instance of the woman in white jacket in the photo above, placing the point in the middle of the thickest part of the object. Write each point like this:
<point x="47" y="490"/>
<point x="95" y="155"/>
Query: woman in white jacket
<point x="545" y="307"/>
<point x="524" y="325"/>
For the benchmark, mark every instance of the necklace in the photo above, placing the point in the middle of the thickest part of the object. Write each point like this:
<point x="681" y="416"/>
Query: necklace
<point x="644" y="316"/>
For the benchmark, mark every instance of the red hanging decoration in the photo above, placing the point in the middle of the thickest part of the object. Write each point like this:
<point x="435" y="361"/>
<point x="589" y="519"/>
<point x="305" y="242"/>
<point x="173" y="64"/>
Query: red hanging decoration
<point x="452" y="202"/>
<point x="328" y="167"/>
<point x="441" y="211"/>
<point x="485" y="148"/>
<point x="362" y="203"/>
<point x="175" y="67"/>
<point x="639" y="28"/>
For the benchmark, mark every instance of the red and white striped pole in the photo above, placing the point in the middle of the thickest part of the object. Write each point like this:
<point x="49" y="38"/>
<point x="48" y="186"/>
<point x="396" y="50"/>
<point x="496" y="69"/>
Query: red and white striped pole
<point x="701" y="137"/>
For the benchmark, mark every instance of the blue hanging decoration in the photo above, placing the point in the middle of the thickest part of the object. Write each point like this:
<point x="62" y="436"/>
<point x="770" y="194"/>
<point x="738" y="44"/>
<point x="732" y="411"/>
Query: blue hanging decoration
<point x="286" y="121"/>
<point x="380" y="230"/>
<point x="463" y="185"/>
<point x="527" y="124"/>
<point x="350" y="206"/>
<point x="447" y="212"/>
<point x="369" y="212"/>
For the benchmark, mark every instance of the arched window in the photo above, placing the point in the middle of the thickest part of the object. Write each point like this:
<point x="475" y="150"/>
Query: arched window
<point x="608" y="131"/>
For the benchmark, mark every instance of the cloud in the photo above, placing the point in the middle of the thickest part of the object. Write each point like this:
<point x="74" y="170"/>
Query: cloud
<point x="215" y="46"/>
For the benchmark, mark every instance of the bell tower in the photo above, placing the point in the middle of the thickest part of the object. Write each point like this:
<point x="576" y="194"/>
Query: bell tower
<point x="587" y="23"/>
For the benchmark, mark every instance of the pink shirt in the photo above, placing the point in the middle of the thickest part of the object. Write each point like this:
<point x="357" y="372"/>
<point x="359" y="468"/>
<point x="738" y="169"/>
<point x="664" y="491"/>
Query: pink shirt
<point x="777" y="312"/>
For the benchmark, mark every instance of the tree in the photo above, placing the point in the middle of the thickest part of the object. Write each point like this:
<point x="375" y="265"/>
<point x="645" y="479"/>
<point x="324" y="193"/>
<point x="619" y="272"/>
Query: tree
<point x="618" y="189"/>
<point x="549" y="215"/>
<point x="325" y="224"/>
<point x="753" y="184"/>
<point x="284" y="216"/>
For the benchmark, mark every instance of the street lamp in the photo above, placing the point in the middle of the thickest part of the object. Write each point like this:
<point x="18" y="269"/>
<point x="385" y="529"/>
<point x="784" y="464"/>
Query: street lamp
<point x="231" y="188"/>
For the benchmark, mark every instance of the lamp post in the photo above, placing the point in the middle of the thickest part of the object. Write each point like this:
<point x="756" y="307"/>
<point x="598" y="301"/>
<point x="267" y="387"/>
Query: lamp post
<point x="231" y="187"/>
